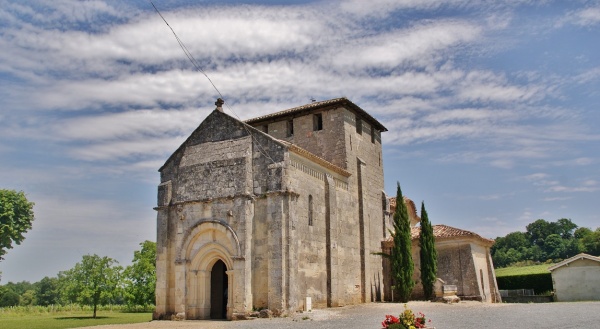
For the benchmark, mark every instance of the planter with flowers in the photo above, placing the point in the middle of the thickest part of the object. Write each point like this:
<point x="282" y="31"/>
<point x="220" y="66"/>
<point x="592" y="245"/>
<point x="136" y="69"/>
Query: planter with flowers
<point x="406" y="320"/>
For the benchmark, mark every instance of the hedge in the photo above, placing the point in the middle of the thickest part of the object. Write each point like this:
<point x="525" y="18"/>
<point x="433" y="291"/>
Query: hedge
<point x="540" y="282"/>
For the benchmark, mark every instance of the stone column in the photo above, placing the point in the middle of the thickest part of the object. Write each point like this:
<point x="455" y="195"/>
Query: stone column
<point x="275" y="294"/>
<point x="233" y="301"/>
<point x="203" y="294"/>
<point x="290" y="249"/>
<point x="331" y="227"/>
<point x="162" y="260"/>
<point x="247" y="257"/>
<point x="363" y="221"/>
<point x="192" y="295"/>
<point x="180" y="290"/>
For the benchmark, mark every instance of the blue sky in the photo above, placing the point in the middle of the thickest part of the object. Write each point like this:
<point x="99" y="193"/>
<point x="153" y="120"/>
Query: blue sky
<point x="491" y="106"/>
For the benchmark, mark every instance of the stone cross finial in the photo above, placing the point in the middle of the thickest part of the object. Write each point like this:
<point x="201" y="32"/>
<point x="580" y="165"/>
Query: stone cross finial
<point x="219" y="103"/>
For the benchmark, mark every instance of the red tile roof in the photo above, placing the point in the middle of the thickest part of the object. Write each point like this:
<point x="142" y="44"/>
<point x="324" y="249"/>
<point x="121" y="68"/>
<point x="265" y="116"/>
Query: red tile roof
<point x="447" y="232"/>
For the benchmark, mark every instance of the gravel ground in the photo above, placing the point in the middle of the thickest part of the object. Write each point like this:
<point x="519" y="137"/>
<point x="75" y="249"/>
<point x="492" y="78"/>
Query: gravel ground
<point x="464" y="315"/>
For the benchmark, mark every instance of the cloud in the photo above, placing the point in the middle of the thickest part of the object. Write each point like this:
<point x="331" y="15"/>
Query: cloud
<point x="419" y="45"/>
<point x="549" y="185"/>
<point x="585" y="17"/>
<point x="382" y="8"/>
<point x="134" y="83"/>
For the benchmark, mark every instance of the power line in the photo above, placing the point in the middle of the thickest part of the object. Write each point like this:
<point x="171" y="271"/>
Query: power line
<point x="197" y="66"/>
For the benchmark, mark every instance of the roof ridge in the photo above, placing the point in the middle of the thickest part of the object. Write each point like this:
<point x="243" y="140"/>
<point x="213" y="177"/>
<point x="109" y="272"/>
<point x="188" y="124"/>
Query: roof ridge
<point x="315" y="105"/>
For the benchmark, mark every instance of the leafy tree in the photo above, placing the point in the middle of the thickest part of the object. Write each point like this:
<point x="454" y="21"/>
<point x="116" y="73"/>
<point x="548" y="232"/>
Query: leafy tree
<point x="140" y="276"/>
<point x="582" y="232"/>
<point x="554" y="246"/>
<point x="514" y="240"/>
<point x="16" y="216"/>
<point x="20" y="287"/>
<point x="93" y="281"/>
<point x="47" y="291"/>
<point x="564" y="227"/>
<point x="401" y="257"/>
<point x="28" y="298"/>
<point x="428" y="254"/>
<point x="534" y="253"/>
<point x="538" y="231"/>
<point x="591" y="243"/>
<point x="541" y="241"/>
<point x="8" y="297"/>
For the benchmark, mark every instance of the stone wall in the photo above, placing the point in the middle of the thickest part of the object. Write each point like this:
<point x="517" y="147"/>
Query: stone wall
<point x="206" y="212"/>
<point x="286" y="225"/>
<point x="363" y="155"/>
<point x="360" y="211"/>
<point x="460" y="262"/>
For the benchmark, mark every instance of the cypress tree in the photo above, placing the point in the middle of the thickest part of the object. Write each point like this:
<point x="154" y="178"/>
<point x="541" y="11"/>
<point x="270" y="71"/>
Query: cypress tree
<point x="428" y="254"/>
<point x="401" y="257"/>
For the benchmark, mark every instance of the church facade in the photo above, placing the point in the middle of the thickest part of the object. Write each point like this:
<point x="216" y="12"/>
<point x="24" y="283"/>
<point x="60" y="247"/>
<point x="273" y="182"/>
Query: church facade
<point x="272" y="213"/>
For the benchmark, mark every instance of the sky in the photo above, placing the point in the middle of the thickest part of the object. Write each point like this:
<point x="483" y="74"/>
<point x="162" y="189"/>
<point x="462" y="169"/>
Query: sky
<point x="491" y="106"/>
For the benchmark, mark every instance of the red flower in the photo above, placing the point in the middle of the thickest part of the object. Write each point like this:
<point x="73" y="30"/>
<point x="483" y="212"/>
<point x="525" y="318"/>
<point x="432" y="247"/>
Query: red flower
<point x="389" y="319"/>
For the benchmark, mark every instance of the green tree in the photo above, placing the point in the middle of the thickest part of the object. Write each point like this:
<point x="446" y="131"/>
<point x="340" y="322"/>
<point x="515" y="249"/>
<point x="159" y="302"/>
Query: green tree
<point x="554" y="246"/>
<point x="94" y="281"/>
<point x="582" y="232"/>
<point x="47" y="291"/>
<point x="16" y="216"/>
<point x="20" y="287"/>
<point x="28" y="298"/>
<point x="428" y="254"/>
<point x="564" y="227"/>
<point x="538" y="231"/>
<point x="140" y="276"/>
<point x="591" y="243"/>
<point x="8" y="297"/>
<point x="401" y="257"/>
<point x="514" y="240"/>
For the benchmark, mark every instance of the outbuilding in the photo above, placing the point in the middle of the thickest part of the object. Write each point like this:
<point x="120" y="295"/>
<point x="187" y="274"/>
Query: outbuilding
<point x="576" y="278"/>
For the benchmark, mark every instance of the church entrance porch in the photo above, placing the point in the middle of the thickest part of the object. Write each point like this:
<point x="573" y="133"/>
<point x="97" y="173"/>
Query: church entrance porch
<point x="210" y="251"/>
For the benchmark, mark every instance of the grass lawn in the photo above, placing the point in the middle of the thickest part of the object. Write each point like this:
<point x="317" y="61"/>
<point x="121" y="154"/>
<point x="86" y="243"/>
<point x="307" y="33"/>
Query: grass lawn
<point x="533" y="269"/>
<point x="69" y="319"/>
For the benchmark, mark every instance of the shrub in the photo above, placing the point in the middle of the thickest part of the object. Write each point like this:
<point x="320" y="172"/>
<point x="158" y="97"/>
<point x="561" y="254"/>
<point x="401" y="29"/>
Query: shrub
<point x="538" y="282"/>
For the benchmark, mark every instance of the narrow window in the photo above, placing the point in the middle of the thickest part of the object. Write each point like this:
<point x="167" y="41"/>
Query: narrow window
<point x="265" y="129"/>
<point x="358" y="125"/>
<point x="310" y="210"/>
<point x="373" y="131"/>
<point x="318" y="122"/>
<point x="290" y="128"/>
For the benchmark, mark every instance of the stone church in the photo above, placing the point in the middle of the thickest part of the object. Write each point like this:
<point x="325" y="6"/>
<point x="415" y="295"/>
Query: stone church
<point x="283" y="211"/>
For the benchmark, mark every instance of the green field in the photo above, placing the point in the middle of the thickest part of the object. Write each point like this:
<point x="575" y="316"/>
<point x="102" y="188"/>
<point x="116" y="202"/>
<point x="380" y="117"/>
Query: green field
<point x="521" y="270"/>
<point x="13" y="320"/>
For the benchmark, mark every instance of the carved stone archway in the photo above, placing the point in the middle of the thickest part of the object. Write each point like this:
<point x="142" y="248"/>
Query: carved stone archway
<point x="207" y="243"/>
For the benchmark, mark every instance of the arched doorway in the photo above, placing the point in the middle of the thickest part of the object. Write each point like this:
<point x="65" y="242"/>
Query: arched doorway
<point x="218" y="291"/>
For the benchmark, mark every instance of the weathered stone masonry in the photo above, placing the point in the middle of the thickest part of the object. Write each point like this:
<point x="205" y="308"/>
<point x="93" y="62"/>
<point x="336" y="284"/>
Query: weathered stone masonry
<point x="289" y="215"/>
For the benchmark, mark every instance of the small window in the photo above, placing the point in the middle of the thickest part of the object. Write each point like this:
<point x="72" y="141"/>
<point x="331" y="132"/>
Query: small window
<point x="318" y="122"/>
<point x="373" y="132"/>
<point x="265" y="129"/>
<point x="290" y="128"/>
<point x="310" y="210"/>
<point x="358" y="125"/>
